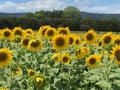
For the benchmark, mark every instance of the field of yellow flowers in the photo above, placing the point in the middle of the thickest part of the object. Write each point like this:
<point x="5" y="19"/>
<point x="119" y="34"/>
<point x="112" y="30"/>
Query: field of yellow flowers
<point x="58" y="59"/>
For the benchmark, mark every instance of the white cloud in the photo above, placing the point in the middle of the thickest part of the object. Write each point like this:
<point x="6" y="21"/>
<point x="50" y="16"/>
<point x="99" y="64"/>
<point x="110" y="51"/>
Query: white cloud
<point x="31" y="6"/>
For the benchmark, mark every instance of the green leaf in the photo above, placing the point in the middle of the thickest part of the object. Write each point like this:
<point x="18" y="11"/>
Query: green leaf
<point x="104" y="83"/>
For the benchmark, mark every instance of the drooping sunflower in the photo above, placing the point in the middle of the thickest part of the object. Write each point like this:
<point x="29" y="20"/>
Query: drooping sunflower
<point x="42" y="30"/>
<point x="116" y="53"/>
<point x="92" y="61"/>
<point x="29" y="31"/>
<point x="5" y="57"/>
<point x="50" y="33"/>
<point x="64" y="30"/>
<point x="65" y="58"/>
<point x="90" y="36"/>
<point x="18" y="31"/>
<point x="56" y="56"/>
<point x="35" y="44"/>
<point x="107" y="38"/>
<point x="7" y="34"/>
<point x="60" y="42"/>
<point x="24" y="42"/>
<point x="80" y="53"/>
<point x="31" y="72"/>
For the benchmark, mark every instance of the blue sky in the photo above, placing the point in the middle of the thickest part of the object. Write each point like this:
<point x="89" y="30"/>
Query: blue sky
<point x="93" y="6"/>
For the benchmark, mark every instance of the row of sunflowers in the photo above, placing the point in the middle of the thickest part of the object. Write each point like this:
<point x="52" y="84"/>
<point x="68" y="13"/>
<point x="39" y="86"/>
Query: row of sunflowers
<point x="58" y="59"/>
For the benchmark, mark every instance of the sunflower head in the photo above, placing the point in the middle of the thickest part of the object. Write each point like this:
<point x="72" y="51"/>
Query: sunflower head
<point x="60" y="42"/>
<point x="17" y="72"/>
<point x="65" y="31"/>
<point x="50" y="33"/>
<point x="42" y="30"/>
<point x="35" y="44"/>
<point x="117" y="40"/>
<point x="92" y="61"/>
<point x="24" y="42"/>
<point x="5" y="56"/>
<point x="39" y="81"/>
<point x="90" y="36"/>
<point x="116" y="53"/>
<point x="107" y="38"/>
<point x="77" y="41"/>
<point x="31" y="72"/>
<point x="18" y="31"/>
<point x="65" y="58"/>
<point x="71" y="38"/>
<point x="7" y="34"/>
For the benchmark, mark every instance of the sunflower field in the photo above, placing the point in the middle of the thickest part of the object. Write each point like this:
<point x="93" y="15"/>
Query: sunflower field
<point x="58" y="59"/>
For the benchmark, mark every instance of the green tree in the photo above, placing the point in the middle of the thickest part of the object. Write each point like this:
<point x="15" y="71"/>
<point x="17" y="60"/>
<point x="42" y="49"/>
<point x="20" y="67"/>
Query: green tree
<point x="71" y="12"/>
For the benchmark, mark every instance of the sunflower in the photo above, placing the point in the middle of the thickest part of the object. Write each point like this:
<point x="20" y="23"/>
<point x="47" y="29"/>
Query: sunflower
<point x="80" y="53"/>
<point x="42" y="30"/>
<point x="50" y="33"/>
<point x="65" y="31"/>
<point x="65" y="58"/>
<point x="93" y="61"/>
<point x="35" y="44"/>
<point x="116" y="53"/>
<point x="29" y="31"/>
<point x="18" y="31"/>
<point x="107" y="38"/>
<point x="5" y="56"/>
<point x="60" y="42"/>
<point x="77" y="41"/>
<point x="117" y="40"/>
<point x="71" y="38"/>
<point x="24" y="42"/>
<point x="31" y="72"/>
<point x="17" y="72"/>
<point x="39" y="81"/>
<point x="90" y="36"/>
<point x="7" y="34"/>
<point x="56" y="56"/>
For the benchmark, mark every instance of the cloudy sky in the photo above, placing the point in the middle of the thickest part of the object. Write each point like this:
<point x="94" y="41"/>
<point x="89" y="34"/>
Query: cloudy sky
<point x="94" y="6"/>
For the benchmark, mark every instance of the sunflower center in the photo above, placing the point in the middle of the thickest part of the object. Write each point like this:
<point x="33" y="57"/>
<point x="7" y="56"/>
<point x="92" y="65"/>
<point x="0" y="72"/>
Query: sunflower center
<point x="63" y="32"/>
<point x="89" y="36"/>
<point x="78" y="52"/>
<point x="60" y="41"/>
<point x="117" y="55"/>
<point x="35" y="44"/>
<point x="25" y="41"/>
<point x="50" y="33"/>
<point x="92" y="60"/>
<point x="71" y="40"/>
<point x="99" y="43"/>
<point x="43" y="31"/>
<point x="3" y="56"/>
<point x="77" y="41"/>
<point x="18" y="32"/>
<point x="117" y="42"/>
<point x="107" y="39"/>
<point x="65" y="59"/>
<point x="32" y="73"/>
<point x="6" y="34"/>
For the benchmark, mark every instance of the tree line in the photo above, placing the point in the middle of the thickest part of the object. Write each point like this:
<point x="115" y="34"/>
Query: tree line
<point x="69" y="17"/>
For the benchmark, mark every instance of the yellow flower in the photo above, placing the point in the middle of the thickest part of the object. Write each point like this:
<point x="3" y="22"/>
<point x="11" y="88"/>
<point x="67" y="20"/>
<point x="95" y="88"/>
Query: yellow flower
<point x="80" y="53"/>
<point x="3" y="88"/>
<point x="77" y="41"/>
<point x="42" y="30"/>
<point x="50" y="33"/>
<point x="7" y="34"/>
<point x="90" y="36"/>
<point x="117" y="40"/>
<point x="107" y="38"/>
<point x="65" y="58"/>
<point x="71" y="38"/>
<point x="56" y="56"/>
<point x="39" y="81"/>
<point x="5" y="57"/>
<point x="31" y="72"/>
<point x="35" y="44"/>
<point x="92" y="61"/>
<point x="18" y="31"/>
<point x="16" y="72"/>
<point x="24" y="42"/>
<point x="116" y="53"/>
<point x="29" y="31"/>
<point x="65" y="31"/>
<point x="60" y="42"/>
